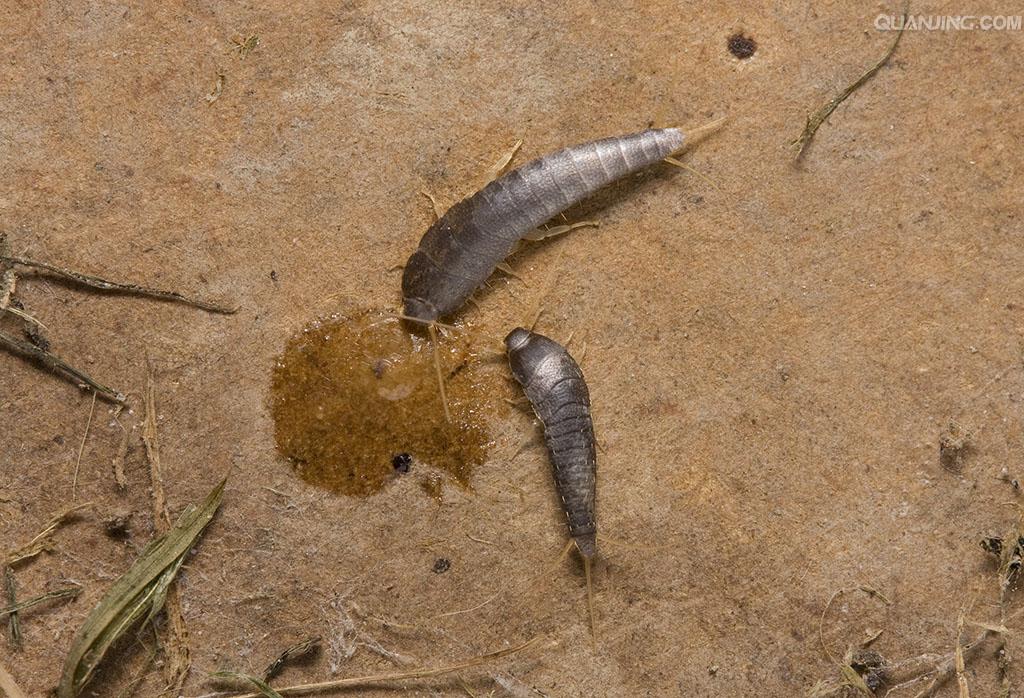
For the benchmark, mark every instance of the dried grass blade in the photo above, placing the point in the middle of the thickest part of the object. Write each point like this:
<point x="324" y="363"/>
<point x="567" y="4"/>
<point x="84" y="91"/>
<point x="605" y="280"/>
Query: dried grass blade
<point x="7" y="685"/>
<point x="297" y="650"/>
<point x="59" y="365"/>
<point x="816" y="119"/>
<point x="135" y="594"/>
<point x="41" y="541"/>
<point x="22" y="605"/>
<point x="105" y="285"/>
<point x="261" y="685"/>
<point x="11" y="589"/>
<point x="423" y="673"/>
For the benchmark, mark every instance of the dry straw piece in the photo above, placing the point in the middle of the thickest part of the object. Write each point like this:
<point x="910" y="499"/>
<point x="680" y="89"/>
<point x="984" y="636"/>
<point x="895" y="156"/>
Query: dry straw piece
<point x="139" y="593"/>
<point x="817" y="118"/>
<point x="41" y="541"/>
<point x="324" y="686"/>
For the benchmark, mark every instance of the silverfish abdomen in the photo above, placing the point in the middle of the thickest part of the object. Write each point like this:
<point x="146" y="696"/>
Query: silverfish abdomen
<point x="458" y="253"/>
<point x="554" y="385"/>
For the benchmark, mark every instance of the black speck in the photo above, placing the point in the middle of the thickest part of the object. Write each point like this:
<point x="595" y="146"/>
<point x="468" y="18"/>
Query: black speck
<point x="118" y="526"/>
<point x="36" y="336"/>
<point x="742" y="46"/>
<point x="993" y="545"/>
<point x="273" y="275"/>
<point x="401" y="463"/>
<point x="442" y="565"/>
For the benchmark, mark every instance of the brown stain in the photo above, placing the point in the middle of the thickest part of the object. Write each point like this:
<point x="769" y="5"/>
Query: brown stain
<point x="349" y="394"/>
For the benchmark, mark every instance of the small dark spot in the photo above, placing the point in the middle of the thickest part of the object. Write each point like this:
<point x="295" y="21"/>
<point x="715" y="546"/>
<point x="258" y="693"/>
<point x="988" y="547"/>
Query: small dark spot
<point x="273" y="275"/>
<point x="59" y="440"/>
<point x="378" y="368"/>
<point x="871" y="666"/>
<point x="442" y="565"/>
<point x="993" y="545"/>
<point x="401" y="462"/>
<point x="742" y="46"/>
<point x="36" y="336"/>
<point x="118" y="527"/>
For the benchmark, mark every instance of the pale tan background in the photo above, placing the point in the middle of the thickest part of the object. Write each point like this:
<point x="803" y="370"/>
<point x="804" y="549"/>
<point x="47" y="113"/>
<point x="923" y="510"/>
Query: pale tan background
<point x="771" y="361"/>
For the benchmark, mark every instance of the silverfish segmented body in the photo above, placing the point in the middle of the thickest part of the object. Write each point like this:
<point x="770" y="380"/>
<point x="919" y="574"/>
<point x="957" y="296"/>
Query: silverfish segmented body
<point x="554" y="385"/>
<point x="461" y="250"/>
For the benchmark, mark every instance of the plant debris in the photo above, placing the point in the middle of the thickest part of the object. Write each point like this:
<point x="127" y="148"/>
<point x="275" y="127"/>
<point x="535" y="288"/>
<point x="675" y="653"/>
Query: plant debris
<point x="139" y="593"/>
<point x="41" y="541"/>
<point x="260" y="684"/>
<point x="174" y="634"/>
<point x="817" y="118"/>
<point x="38" y="347"/>
<point x="1011" y="556"/>
<point x="117" y="463"/>
<point x="119" y="287"/>
<point x="59" y="365"/>
<point x="81" y="448"/>
<point x="217" y="88"/>
<point x="860" y="669"/>
<point x="302" y="649"/>
<point x="954" y="445"/>
<point x="7" y="685"/>
<point x="11" y="591"/>
<point x="246" y="45"/>
<point x="8" y="277"/>
<point x="43" y="598"/>
<point x="118" y="526"/>
<point x="304" y="689"/>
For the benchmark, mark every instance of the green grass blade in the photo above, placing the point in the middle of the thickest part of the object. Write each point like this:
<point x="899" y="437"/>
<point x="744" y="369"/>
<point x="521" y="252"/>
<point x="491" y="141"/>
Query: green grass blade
<point x="135" y="594"/>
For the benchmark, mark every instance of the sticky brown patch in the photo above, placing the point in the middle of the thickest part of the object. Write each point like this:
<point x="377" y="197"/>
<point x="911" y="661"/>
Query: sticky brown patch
<point x="349" y="393"/>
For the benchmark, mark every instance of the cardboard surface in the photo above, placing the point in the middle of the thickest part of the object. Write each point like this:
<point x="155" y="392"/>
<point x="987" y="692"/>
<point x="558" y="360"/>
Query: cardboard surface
<point x="772" y="359"/>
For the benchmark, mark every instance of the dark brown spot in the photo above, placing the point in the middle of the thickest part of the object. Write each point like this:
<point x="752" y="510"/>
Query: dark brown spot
<point x="993" y="545"/>
<point x="742" y="46"/>
<point x="442" y="565"/>
<point x="118" y="526"/>
<point x="36" y="336"/>
<point x="401" y="462"/>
